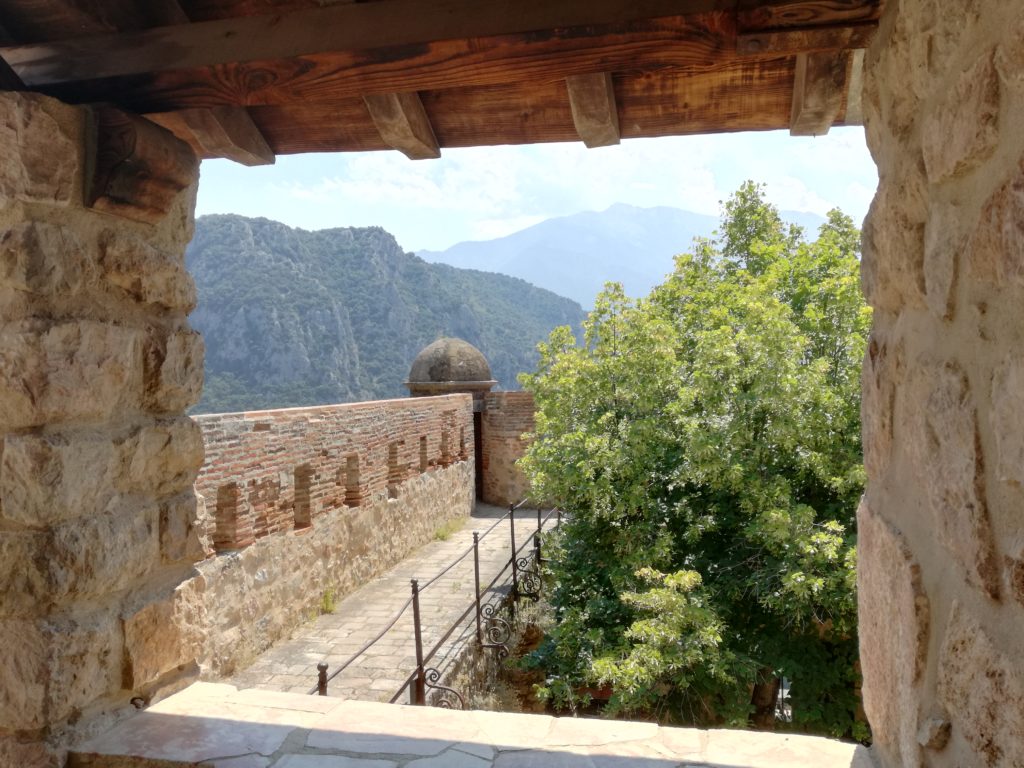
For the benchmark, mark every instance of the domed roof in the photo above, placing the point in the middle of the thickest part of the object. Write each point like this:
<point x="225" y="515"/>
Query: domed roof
<point x="449" y="360"/>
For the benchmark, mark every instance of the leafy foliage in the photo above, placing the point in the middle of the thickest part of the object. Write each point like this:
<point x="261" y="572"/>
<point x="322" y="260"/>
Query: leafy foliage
<point x="705" y="441"/>
<point x="304" y="318"/>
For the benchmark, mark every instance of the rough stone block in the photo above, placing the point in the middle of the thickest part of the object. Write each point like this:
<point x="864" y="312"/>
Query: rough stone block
<point x="28" y="754"/>
<point x="49" y="478"/>
<point x="45" y="479"/>
<point x="947" y="449"/>
<point x="878" y="386"/>
<point x="53" y="667"/>
<point x="163" y="459"/>
<point x="997" y="249"/>
<point x="1010" y="56"/>
<point x="962" y="130"/>
<point x="892" y="268"/>
<point x="40" y="148"/>
<point x="40" y="258"/>
<point x="982" y="689"/>
<point x="164" y="634"/>
<point x="97" y="555"/>
<point x="174" y="371"/>
<point x="25" y="583"/>
<point x="942" y="248"/>
<point x="893" y="629"/>
<point x="1005" y="418"/>
<point x="180" y="530"/>
<point x="87" y="557"/>
<point x="84" y="371"/>
<point x="146" y="274"/>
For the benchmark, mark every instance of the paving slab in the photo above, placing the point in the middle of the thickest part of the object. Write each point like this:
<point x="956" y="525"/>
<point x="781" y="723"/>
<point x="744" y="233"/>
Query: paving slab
<point x="383" y="669"/>
<point x="216" y="726"/>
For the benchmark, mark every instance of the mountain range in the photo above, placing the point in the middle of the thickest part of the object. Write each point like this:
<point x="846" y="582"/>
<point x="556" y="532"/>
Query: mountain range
<point x="574" y="255"/>
<point x="292" y="317"/>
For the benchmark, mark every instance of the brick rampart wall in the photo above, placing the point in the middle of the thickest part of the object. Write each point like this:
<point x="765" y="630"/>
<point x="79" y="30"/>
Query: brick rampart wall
<point x="268" y="472"/>
<point x="506" y="417"/>
<point x="304" y="502"/>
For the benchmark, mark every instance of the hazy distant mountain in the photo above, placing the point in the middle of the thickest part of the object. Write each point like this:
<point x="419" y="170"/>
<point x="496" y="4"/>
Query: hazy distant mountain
<point x="304" y="318"/>
<point x="575" y="255"/>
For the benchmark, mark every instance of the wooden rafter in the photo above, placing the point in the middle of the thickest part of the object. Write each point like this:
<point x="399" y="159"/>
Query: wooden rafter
<point x="793" y="41"/>
<point x="342" y="27"/>
<point x="30" y="21"/>
<point x="780" y="14"/>
<point x="136" y="171"/>
<point x="592" y="100"/>
<point x="316" y="76"/>
<point x="219" y="132"/>
<point x="371" y="26"/>
<point x="818" y="88"/>
<point x="854" y="92"/>
<point x="229" y="132"/>
<point x="403" y="124"/>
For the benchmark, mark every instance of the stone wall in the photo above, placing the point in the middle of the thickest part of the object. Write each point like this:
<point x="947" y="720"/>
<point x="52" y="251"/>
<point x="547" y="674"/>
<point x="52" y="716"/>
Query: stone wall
<point x="97" y="460"/>
<point x="505" y="418"/>
<point x="941" y="557"/>
<point x="306" y="501"/>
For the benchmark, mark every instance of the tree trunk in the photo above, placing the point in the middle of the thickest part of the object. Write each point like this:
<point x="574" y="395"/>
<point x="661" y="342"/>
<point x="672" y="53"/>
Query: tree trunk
<point x="764" y="698"/>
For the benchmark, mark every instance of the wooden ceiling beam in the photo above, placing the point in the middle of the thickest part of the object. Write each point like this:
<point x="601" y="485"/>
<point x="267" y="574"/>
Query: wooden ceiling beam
<point x="229" y="132"/>
<point x="793" y="41"/>
<point x="819" y="85"/>
<point x="341" y="27"/>
<point x="31" y="21"/>
<point x="403" y="124"/>
<point x="692" y="45"/>
<point x="395" y="24"/>
<point x="592" y="100"/>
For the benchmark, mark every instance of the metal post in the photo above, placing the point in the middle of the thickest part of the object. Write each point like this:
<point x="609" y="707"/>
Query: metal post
<point x="476" y="581"/>
<point x="321" y="683"/>
<point x="515" y="574"/>
<point x="420" y="684"/>
<point x="536" y="552"/>
<point x="540" y="524"/>
<point x="512" y="535"/>
<point x="558" y="521"/>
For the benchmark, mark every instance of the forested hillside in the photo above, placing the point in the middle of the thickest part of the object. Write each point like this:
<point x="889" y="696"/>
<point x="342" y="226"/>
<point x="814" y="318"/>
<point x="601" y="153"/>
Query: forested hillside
<point x="292" y="317"/>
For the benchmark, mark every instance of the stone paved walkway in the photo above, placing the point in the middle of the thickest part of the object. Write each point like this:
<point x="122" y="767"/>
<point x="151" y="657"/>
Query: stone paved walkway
<point x="217" y="726"/>
<point x="291" y="665"/>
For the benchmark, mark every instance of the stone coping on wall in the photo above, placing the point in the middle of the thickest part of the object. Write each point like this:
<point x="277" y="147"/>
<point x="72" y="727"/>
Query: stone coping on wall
<point x="219" y="726"/>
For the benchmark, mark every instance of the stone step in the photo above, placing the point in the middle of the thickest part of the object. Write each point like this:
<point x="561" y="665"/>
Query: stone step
<point x="219" y="726"/>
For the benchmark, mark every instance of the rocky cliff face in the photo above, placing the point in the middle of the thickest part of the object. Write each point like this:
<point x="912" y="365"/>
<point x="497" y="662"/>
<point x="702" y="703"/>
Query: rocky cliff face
<point x="300" y="318"/>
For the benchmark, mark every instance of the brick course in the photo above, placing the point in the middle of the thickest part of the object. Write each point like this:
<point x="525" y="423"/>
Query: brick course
<point x="268" y="472"/>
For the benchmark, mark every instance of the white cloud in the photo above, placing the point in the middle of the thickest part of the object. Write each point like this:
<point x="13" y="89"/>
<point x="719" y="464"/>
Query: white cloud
<point x="791" y="194"/>
<point x="487" y="192"/>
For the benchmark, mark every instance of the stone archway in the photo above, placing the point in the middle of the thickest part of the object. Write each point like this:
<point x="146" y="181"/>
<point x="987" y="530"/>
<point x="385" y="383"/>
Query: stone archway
<point x="97" y="366"/>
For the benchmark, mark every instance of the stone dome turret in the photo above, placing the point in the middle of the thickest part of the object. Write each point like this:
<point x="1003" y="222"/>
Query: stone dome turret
<point x="449" y="360"/>
<point x="450" y="365"/>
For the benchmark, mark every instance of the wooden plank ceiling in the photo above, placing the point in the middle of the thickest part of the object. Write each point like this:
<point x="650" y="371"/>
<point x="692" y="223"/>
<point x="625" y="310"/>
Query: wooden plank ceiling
<point x="251" y="79"/>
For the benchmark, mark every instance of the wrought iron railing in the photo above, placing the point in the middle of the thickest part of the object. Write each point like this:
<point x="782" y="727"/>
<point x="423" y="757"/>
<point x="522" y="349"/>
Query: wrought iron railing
<point x="492" y="629"/>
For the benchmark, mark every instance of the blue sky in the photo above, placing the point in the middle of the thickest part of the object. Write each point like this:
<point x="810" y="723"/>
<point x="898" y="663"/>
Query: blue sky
<point x="487" y="192"/>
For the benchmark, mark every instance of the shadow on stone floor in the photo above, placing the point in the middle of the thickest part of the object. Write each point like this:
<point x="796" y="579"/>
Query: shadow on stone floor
<point x="221" y="727"/>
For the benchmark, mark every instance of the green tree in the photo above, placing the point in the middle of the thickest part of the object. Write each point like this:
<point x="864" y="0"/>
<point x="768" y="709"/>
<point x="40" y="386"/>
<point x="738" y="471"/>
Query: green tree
<point x="705" y="442"/>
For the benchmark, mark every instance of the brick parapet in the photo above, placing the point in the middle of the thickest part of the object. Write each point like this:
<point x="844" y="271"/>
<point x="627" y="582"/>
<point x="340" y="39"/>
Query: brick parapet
<point x="268" y="472"/>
